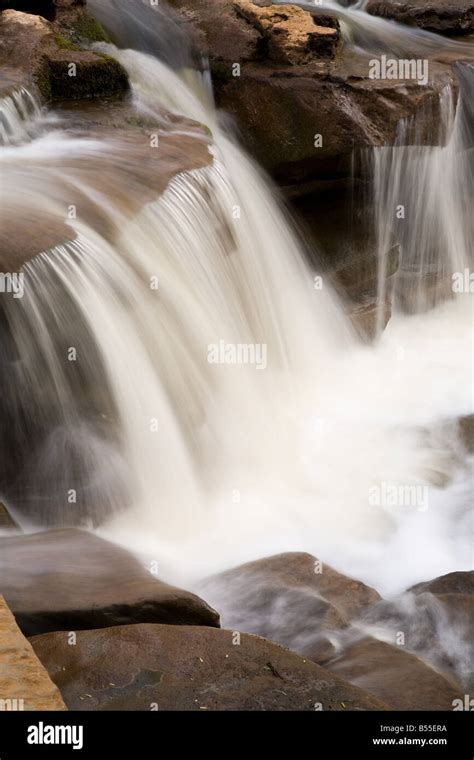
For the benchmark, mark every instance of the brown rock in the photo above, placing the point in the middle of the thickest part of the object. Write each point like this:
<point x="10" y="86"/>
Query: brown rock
<point x="24" y="682"/>
<point x="442" y="16"/>
<point x="70" y="579"/>
<point x="452" y="583"/>
<point x="285" y="598"/>
<point x="289" y="34"/>
<point x="6" y="520"/>
<point x="395" y="676"/>
<point x="189" y="668"/>
<point x="286" y="95"/>
<point x="30" y="44"/>
<point x="466" y="430"/>
<point x="436" y="618"/>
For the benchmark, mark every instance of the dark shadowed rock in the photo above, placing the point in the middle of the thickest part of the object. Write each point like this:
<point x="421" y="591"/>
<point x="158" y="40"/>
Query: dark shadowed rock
<point x="189" y="668"/>
<point x="289" y="598"/>
<point x="71" y="579"/>
<point x="24" y="682"/>
<point x="6" y="520"/>
<point x="395" y="676"/>
<point x="442" y="16"/>
<point x="466" y="430"/>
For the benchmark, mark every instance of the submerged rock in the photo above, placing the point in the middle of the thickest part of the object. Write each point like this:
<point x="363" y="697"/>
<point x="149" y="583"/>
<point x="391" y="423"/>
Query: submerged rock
<point x="71" y="579"/>
<point x="442" y="16"/>
<point x="145" y="667"/>
<point x="395" y="676"/>
<point x="24" y="682"/>
<point x="289" y="598"/>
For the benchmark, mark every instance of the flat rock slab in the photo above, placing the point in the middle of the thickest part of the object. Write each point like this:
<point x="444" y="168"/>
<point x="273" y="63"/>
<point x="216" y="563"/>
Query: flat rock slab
<point x="444" y="16"/>
<point x="66" y="580"/>
<point x="144" y="667"/>
<point x="397" y="677"/>
<point x="24" y="682"/>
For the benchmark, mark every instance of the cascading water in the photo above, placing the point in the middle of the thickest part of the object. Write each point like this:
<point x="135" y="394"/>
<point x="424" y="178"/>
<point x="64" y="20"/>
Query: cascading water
<point x="203" y="465"/>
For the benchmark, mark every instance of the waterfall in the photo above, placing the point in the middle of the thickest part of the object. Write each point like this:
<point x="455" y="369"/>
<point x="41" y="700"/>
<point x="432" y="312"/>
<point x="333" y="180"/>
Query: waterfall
<point x="177" y="381"/>
<point x="18" y="112"/>
<point x="422" y="196"/>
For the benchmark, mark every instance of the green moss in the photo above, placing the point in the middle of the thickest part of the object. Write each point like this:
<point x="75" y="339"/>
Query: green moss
<point x="87" y="29"/>
<point x="65" y="44"/>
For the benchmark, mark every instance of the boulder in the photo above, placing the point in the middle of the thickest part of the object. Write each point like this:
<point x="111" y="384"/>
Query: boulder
<point x="398" y="678"/>
<point x="436" y="619"/>
<point x="58" y="67"/>
<point x="452" y="583"/>
<point x="291" y="599"/>
<point x="442" y="16"/>
<point x="159" y="667"/>
<point x="288" y="34"/>
<point x="24" y="681"/>
<point x="6" y="520"/>
<point x="466" y="430"/>
<point x="300" y="111"/>
<point x="71" y="579"/>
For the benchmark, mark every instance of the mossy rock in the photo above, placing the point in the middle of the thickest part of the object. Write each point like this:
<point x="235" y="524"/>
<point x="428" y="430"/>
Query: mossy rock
<point x="87" y="29"/>
<point x="99" y="76"/>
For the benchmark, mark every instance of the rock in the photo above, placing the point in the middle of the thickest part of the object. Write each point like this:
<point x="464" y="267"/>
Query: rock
<point x="290" y="599"/>
<point x="189" y="668"/>
<point x="71" y="579"/>
<point x="436" y="619"/>
<point x="442" y="16"/>
<point x="24" y="682"/>
<point x="33" y="45"/>
<point x="320" y="107"/>
<point x="452" y="583"/>
<point x="6" y="520"/>
<point x="369" y="316"/>
<point x="398" y="678"/>
<point x="289" y="35"/>
<point x="45" y="8"/>
<point x="466" y="430"/>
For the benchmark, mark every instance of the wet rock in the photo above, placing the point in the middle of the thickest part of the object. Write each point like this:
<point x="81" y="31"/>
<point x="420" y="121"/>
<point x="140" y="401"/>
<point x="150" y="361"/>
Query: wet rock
<point x="189" y="668"/>
<point x="466" y="430"/>
<point x="54" y="62"/>
<point x="395" y="676"/>
<point x="291" y="599"/>
<point x="452" y="583"/>
<point x="442" y="16"/>
<point x="320" y="108"/>
<point x="370" y="317"/>
<point x="24" y="682"/>
<point x="71" y="579"/>
<point x="6" y="520"/>
<point x="436" y="620"/>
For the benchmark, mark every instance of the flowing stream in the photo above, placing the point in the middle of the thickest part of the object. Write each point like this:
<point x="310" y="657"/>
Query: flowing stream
<point x="138" y="434"/>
